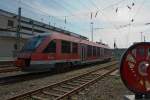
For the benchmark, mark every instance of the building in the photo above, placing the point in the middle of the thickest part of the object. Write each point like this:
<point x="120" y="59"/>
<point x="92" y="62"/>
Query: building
<point x="118" y="52"/>
<point x="29" y="28"/>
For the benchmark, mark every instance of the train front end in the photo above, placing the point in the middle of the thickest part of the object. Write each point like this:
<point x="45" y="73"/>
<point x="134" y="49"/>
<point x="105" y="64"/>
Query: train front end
<point x="24" y="56"/>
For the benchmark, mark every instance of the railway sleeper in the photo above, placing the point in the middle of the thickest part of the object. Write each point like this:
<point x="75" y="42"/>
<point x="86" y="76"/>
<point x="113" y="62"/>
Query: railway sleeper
<point x="94" y="75"/>
<point x="91" y="76"/>
<point x="61" y="90"/>
<point x="52" y="93"/>
<point x="83" y="80"/>
<point x="53" y="90"/>
<point x="68" y="87"/>
<point x="77" y="81"/>
<point x="72" y="84"/>
<point x="42" y="96"/>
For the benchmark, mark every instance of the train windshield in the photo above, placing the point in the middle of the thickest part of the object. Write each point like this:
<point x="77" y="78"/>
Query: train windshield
<point x="33" y="43"/>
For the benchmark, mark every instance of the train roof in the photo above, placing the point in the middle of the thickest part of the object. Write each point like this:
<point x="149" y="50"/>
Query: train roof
<point x="56" y="35"/>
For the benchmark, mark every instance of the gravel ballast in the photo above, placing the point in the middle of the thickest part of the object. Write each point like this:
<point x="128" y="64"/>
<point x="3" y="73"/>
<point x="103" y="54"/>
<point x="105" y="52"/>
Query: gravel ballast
<point x="112" y="88"/>
<point x="8" y="91"/>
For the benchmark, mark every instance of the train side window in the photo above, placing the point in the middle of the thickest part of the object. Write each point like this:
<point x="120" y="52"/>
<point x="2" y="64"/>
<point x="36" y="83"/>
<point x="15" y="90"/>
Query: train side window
<point x="51" y="48"/>
<point x="98" y="51"/>
<point x="65" y="46"/>
<point x="105" y="51"/>
<point x="94" y="51"/>
<point x="148" y="52"/>
<point x="102" y="51"/>
<point x="141" y="51"/>
<point x="74" y="48"/>
<point x="89" y="50"/>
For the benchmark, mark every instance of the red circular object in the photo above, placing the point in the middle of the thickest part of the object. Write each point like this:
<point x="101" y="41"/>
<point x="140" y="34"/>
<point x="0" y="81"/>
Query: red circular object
<point x="135" y="68"/>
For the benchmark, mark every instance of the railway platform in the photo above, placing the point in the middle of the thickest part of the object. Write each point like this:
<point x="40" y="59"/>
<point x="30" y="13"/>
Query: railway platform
<point x="6" y="60"/>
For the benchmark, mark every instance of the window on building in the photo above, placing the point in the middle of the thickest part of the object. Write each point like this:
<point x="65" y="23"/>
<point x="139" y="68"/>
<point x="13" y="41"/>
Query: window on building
<point x="51" y="48"/>
<point x="10" y="23"/>
<point x="65" y="46"/>
<point x="94" y="51"/>
<point x="89" y="50"/>
<point x="74" y="48"/>
<point x="30" y="29"/>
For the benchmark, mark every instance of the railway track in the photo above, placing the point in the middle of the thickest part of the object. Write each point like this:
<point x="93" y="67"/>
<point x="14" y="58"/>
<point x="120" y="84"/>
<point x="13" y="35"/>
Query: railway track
<point x="8" y="68"/>
<point x="67" y="88"/>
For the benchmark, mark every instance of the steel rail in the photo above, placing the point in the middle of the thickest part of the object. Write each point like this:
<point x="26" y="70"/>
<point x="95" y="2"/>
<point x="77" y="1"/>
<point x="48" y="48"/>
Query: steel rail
<point x="31" y="93"/>
<point x="5" y="69"/>
<point x="84" y="85"/>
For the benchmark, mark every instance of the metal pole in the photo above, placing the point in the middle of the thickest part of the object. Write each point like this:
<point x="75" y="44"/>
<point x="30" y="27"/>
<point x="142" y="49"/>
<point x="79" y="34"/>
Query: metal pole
<point x="32" y="26"/>
<point x="92" y="31"/>
<point x="144" y="39"/>
<point x="49" y="21"/>
<point x="18" y="29"/>
<point x="141" y="36"/>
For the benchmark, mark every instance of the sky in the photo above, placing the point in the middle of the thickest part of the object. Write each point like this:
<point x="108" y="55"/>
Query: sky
<point x="122" y="21"/>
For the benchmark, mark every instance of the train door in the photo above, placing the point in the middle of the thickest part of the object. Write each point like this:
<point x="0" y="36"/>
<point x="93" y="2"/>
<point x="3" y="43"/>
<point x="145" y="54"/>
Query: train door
<point x="83" y="52"/>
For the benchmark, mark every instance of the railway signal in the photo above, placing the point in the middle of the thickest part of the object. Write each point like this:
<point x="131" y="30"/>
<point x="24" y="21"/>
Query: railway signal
<point x="135" y="69"/>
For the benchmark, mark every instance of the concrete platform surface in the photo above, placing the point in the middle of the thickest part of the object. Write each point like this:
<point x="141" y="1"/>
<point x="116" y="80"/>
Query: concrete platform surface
<point x="132" y="97"/>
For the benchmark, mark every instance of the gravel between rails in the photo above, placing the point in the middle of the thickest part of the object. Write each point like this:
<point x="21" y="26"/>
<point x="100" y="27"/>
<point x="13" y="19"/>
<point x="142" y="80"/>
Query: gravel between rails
<point x="112" y="88"/>
<point x="8" y="91"/>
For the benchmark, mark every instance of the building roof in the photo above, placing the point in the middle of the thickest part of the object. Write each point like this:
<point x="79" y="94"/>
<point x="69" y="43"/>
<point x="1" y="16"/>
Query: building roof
<point x="41" y="24"/>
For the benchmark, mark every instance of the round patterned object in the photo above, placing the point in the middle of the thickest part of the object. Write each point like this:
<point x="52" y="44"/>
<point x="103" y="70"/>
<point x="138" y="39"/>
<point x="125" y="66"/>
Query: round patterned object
<point x="135" y="68"/>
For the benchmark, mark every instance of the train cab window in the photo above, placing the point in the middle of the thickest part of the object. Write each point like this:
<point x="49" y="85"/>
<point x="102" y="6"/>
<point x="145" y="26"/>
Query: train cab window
<point x="74" y="48"/>
<point x="94" y="51"/>
<point x="141" y="51"/>
<point x="51" y="48"/>
<point x="33" y="43"/>
<point x="65" y="46"/>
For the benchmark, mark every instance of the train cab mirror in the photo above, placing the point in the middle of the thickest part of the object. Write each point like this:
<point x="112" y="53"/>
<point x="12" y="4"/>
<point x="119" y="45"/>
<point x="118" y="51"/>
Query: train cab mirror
<point x="135" y="68"/>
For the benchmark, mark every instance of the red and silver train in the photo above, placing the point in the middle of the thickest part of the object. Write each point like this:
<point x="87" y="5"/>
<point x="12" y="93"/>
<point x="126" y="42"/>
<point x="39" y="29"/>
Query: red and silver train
<point x="50" y="51"/>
